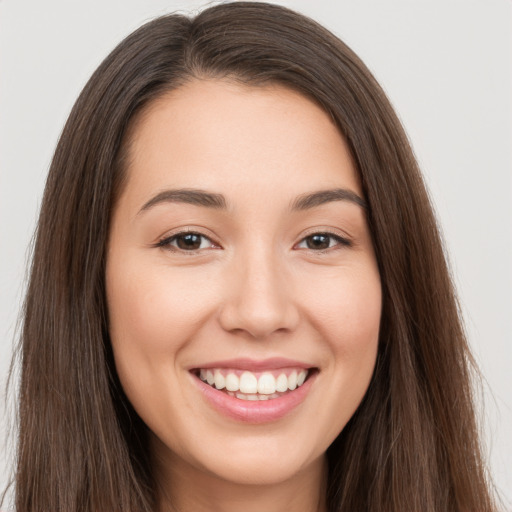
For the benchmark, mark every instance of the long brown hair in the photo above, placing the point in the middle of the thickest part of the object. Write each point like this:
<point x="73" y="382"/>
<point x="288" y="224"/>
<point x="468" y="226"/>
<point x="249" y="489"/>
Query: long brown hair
<point x="413" y="443"/>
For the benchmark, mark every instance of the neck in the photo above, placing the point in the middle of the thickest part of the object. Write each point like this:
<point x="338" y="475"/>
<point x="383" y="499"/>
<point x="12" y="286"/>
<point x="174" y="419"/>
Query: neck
<point x="184" y="488"/>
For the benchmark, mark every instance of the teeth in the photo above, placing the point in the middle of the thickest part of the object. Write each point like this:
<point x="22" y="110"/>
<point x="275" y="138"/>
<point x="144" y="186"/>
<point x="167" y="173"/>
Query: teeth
<point x="248" y="386"/>
<point x="232" y="382"/>
<point x="220" y="381"/>
<point x="267" y="384"/>
<point x="282" y="383"/>
<point x="248" y="383"/>
<point x="292" y="380"/>
<point x="252" y="397"/>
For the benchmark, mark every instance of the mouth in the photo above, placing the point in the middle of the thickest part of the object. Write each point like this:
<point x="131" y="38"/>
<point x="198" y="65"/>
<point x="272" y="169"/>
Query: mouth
<point x="254" y="392"/>
<point x="252" y="386"/>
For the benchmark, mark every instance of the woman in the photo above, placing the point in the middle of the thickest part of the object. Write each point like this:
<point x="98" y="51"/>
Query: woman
<point x="238" y="295"/>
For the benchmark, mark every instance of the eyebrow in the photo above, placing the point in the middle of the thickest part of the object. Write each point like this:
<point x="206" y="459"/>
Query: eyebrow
<point x="189" y="196"/>
<point x="218" y="201"/>
<point x="307" y="201"/>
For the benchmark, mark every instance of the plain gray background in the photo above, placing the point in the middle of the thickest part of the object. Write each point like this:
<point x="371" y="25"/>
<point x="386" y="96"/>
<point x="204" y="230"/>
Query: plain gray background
<point x="446" y="66"/>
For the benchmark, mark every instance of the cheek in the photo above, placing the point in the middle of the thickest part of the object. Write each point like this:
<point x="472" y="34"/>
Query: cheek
<point x="347" y="315"/>
<point x="341" y="311"/>
<point x="153" y="312"/>
<point x="153" y="308"/>
<point x="346" y="309"/>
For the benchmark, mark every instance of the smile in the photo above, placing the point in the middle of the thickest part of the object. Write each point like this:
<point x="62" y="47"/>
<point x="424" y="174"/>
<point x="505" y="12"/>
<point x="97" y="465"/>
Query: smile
<point x="247" y="385"/>
<point x="255" y="391"/>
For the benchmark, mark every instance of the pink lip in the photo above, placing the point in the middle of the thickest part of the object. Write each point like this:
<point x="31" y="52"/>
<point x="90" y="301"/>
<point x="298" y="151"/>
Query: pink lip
<point x="253" y="365"/>
<point x="254" y="411"/>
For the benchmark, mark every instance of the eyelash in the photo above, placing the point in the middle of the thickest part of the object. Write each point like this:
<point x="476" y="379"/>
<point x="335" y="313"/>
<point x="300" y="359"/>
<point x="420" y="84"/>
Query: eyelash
<point x="167" y="242"/>
<point x="340" y="241"/>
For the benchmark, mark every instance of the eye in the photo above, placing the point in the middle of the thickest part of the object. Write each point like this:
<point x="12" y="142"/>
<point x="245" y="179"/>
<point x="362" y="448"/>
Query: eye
<point x="322" y="242"/>
<point x="187" y="241"/>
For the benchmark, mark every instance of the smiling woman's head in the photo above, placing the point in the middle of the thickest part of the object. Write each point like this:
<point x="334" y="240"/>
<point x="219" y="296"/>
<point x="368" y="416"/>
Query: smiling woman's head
<point x="233" y="204"/>
<point x="240" y="249"/>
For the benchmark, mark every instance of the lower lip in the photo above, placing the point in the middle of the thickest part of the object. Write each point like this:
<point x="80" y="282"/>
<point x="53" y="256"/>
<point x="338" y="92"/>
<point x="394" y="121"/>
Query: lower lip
<point x="255" y="411"/>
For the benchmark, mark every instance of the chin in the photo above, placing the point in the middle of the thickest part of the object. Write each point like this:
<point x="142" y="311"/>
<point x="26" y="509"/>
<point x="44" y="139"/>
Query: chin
<point x="261" y="470"/>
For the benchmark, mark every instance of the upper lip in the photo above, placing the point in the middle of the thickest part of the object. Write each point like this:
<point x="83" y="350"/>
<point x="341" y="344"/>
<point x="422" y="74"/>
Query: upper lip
<point x="255" y="365"/>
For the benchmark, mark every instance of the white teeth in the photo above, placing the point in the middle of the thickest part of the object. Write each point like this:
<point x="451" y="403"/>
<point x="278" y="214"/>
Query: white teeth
<point x="248" y="383"/>
<point x="267" y="384"/>
<point x="292" y="381"/>
<point x="252" y="397"/>
<point x="220" y="381"/>
<point x="282" y="383"/>
<point x="250" y="387"/>
<point x="232" y="382"/>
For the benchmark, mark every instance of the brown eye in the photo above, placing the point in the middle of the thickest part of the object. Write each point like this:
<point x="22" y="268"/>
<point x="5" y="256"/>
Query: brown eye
<point x="186" y="242"/>
<point x="189" y="242"/>
<point x="322" y="242"/>
<point x="319" y="241"/>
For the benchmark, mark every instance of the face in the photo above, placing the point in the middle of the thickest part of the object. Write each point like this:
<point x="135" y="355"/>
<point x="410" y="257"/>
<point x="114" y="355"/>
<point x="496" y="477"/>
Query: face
<point x="243" y="292"/>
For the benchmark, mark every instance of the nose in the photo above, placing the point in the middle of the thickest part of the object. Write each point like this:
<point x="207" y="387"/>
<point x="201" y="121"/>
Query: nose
<point x="258" y="298"/>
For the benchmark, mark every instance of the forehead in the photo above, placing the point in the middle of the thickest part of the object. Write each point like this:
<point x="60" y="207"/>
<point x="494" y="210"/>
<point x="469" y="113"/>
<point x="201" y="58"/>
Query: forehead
<point x="227" y="137"/>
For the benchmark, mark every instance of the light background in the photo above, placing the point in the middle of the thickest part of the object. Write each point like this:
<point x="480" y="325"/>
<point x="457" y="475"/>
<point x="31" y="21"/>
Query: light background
<point x="445" y="64"/>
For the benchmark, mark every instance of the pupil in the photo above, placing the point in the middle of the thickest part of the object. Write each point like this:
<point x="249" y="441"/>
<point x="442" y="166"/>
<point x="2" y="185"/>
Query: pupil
<point x="318" y="242"/>
<point x="189" y="242"/>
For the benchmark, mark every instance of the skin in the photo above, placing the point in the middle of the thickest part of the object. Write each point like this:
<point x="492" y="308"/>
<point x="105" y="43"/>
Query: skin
<point x="254" y="288"/>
